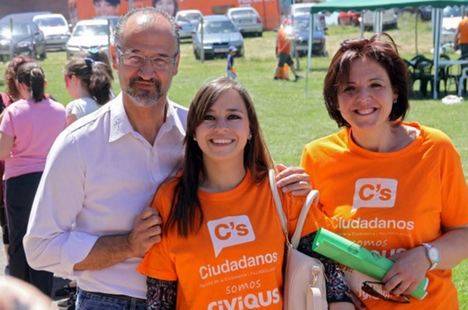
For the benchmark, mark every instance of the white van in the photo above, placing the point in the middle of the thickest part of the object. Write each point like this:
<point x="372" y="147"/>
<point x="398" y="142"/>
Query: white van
<point x="88" y="35"/>
<point x="55" y="29"/>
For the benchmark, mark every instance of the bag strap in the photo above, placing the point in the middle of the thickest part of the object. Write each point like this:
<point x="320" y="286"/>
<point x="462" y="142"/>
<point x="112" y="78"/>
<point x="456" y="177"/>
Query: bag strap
<point x="278" y="204"/>
<point x="314" y="298"/>
<point x="312" y="197"/>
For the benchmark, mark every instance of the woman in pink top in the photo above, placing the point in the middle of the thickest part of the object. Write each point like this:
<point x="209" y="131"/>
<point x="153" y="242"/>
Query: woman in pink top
<point x="28" y="127"/>
<point x="10" y="96"/>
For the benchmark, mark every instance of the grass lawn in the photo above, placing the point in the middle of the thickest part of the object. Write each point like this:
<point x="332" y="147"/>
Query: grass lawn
<point x="289" y="118"/>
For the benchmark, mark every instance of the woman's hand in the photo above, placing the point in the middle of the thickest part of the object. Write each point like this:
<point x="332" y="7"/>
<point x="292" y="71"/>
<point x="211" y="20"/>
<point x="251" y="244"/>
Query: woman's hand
<point x="293" y="179"/>
<point x="407" y="272"/>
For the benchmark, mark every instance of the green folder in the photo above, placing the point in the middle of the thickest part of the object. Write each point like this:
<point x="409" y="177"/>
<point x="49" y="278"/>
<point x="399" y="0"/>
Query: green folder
<point x="357" y="257"/>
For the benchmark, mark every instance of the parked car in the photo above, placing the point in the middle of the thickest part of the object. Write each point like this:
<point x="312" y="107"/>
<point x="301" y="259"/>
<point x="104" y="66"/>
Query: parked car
<point x="246" y="20"/>
<point x="24" y="39"/>
<point x="425" y="12"/>
<point x="55" y="29"/>
<point x="187" y="22"/>
<point x="451" y="18"/>
<point x="304" y="9"/>
<point x="89" y="34"/>
<point x="219" y="33"/>
<point x="389" y="19"/>
<point x="299" y="31"/>
<point x="113" y="20"/>
<point x="21" y="17"/>
<point x="349" y="18"/>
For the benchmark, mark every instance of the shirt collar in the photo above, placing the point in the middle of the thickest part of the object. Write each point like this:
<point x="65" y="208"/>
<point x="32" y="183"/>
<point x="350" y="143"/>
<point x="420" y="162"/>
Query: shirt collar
<point x="173" y="119"/>
<point x="120" y="124"/>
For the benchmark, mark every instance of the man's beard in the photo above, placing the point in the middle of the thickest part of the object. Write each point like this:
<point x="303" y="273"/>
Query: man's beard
<point x="143" y="97"/>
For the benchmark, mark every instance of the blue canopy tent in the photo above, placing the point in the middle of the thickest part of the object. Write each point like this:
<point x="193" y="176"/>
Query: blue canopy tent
<point x="379" y="5"/>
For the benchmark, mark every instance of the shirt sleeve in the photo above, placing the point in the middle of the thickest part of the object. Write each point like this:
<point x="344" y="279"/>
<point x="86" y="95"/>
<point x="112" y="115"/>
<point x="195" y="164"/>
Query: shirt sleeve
<point x="6" y="125"/>
<point x="72" y="108"/>
<point x="158" y="263"/>
<point x="454" y="190"/>
<point x="50" y="242"/>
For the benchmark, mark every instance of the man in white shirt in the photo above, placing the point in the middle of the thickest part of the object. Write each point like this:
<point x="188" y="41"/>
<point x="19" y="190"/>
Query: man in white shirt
<point x="90" y="219"/>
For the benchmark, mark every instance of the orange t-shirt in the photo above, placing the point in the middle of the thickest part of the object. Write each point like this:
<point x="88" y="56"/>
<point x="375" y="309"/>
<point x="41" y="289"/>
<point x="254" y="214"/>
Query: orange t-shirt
<point x="401" y="199"/>
<point x="283" y="44"/>
<point x="234" y="261"/>
<point x="463" y="31"/>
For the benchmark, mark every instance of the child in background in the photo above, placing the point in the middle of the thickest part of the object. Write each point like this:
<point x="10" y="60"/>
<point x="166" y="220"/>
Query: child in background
<point x="230" y="70"/>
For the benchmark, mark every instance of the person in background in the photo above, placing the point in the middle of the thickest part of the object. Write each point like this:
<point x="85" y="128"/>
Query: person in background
<point x="231" y="72"/>
<point x="88" y="82"/>
<point x="12" y="94"/>
<point x="461" y="36"/>
<point x="221" y="205"/>
<point x="28" y="128"/>
<point x="106" y="7"/>
<point x="283" y="53"/>
<point x="395" y="187"/>
<point x="169" y="6"/>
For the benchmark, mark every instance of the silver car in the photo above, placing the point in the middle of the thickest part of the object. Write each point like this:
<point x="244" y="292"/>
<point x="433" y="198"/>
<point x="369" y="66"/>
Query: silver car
<point x="55" y="29"/>
<point x="219" y="33"/>
<point x="187" y="22"/>
<point x="246" y="20"/>
<point x="91" y="34"/>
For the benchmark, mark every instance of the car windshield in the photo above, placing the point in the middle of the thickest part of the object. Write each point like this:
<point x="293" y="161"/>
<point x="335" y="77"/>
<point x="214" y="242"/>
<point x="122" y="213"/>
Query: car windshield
<point x="90" y="30"/>
<point x="19" y="30"/>
<point x="219" y="27"/>
<point x="50" y="22"/>
<point x="240" y="13"/>
<point x="191" y="16"/>
<point x="451" y="11"/>
<point x="302" y="23"/>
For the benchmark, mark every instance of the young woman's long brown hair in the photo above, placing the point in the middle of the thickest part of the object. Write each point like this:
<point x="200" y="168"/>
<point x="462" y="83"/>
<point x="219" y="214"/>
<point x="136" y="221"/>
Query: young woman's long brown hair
<point x="186" y="214"/>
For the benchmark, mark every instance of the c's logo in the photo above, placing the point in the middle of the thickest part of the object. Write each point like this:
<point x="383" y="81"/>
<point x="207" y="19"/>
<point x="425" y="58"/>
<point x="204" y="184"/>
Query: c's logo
<point x="229" y="231"/>
<point x="375" y="193"/>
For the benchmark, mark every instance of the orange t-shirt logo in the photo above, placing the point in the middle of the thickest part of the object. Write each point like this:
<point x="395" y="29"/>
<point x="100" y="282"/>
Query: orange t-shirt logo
<point x="375" y="193"/>
<point x="229" y="231"/>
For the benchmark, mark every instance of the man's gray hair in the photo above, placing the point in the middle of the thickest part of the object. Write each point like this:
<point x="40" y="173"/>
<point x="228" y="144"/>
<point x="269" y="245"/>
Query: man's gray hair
<point x="152" y="14"/>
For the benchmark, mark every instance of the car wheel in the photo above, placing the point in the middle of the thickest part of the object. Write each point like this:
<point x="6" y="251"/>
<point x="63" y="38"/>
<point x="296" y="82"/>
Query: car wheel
<point x="260" y="34"/>
<point x="43" y="55"/>
<point x="196" y="54"/>
<point x="241" y="52"/>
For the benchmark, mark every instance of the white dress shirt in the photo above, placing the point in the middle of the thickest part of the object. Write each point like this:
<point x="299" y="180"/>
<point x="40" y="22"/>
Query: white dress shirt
<point x="100" y="174"/>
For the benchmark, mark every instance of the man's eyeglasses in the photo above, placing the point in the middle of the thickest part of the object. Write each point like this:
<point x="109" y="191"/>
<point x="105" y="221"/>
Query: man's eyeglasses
<point x="137" y="60"/>
<point x="376" y="289"/>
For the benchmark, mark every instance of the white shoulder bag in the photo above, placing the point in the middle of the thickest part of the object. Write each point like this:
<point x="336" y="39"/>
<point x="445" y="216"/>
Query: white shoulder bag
<point x="304" y="280"/>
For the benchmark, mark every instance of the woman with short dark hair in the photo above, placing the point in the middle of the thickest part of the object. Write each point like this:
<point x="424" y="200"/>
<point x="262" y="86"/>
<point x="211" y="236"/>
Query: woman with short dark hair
<point x="395" y="187"/>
